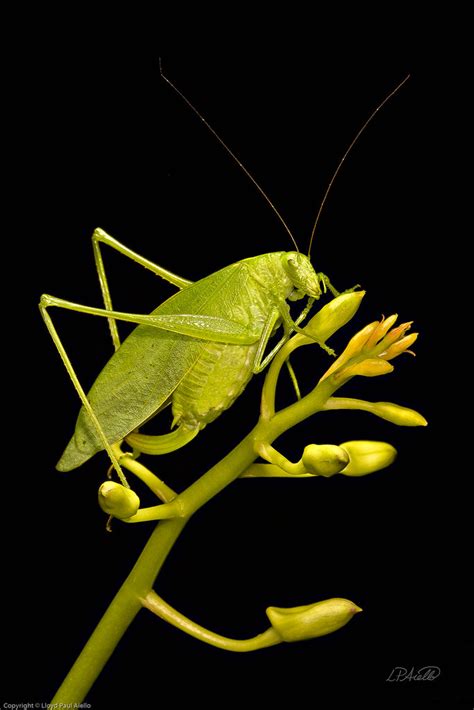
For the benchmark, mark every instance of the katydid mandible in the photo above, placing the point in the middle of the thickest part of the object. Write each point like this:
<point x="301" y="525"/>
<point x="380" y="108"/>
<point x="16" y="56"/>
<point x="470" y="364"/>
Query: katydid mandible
<point x="197" y="351"/>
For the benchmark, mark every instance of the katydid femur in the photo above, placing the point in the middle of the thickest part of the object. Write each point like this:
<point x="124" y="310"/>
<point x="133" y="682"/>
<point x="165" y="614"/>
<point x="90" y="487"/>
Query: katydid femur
<point x="197" y="350"/>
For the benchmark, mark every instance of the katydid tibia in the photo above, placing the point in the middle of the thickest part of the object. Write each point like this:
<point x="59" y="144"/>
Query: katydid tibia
<point x="197" y="350"/>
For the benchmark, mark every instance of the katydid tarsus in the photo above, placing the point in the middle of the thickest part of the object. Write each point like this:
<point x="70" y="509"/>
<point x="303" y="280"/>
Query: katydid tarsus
<point x="197" y="351"/>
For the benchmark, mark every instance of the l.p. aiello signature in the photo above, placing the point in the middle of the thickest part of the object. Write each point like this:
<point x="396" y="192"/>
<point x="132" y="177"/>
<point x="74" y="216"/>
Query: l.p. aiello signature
<point x="400" y="673"/>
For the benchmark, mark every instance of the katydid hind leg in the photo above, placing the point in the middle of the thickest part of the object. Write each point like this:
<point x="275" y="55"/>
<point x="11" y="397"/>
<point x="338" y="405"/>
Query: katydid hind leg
<point x="200" y="326"/>
<point x="100" y="237"/>
<point x="79" y="389"/>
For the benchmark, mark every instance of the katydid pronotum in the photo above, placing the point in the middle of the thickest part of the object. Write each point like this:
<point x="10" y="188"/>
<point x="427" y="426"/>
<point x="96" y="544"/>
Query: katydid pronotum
<point x="197" y="350"/>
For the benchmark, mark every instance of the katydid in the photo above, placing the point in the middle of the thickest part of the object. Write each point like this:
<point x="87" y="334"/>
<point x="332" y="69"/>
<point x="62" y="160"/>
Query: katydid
<point x="197" y="351"/>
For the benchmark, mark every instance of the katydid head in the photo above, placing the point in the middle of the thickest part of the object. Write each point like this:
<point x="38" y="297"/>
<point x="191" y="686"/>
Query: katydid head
<point x="304" y="278"/>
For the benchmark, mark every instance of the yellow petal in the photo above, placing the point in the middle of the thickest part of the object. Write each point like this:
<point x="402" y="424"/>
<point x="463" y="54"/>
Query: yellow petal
<point x="396" y="333"/>
<point x="354" y="347"/>
<point x="399" y="346"/>
<point x="380" y="332"/>
<point x="372" y="367"/>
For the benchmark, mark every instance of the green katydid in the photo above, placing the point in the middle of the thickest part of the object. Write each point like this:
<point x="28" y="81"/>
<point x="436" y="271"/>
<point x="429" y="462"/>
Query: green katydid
<point x="197" y="350"/>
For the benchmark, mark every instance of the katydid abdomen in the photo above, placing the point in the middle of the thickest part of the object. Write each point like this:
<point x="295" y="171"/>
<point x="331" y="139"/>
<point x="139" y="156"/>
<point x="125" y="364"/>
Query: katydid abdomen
<point x="218" y="377"/>
<point x="200" y="376"/>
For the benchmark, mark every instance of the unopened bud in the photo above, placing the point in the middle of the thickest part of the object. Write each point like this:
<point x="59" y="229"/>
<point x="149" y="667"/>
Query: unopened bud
<point x="395" y="413"/>
<point x="334" y="315"/>
<point x="367" y="456"/>
<point x="306" y="622"/>
<point x="117" y="500"/>
<point x="324" y="460"/>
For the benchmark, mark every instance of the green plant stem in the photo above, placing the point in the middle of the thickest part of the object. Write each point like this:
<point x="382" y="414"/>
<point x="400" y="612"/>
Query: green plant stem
<point x="270" y="470"/>
<point x="128" y="600"/>
<point x="155" y="484"/>
<point x="119" y="615"/>
<point x="158" y="606"/>
<point x="267" y="408"/>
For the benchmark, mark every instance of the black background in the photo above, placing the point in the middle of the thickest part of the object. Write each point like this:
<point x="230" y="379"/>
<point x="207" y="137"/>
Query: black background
<point x="105" y="143"/>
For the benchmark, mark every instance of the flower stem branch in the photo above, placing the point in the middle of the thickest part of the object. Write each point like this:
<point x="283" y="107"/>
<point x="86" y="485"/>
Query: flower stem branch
<point x="395" y="413"/>
<point x="158" y="606"/>
<point x="270" y="470"/>
<point x="119" y="615"/>
<point x="175" y="511"/>
<point x="139" y="583"/>
<point x="155" y="484"/>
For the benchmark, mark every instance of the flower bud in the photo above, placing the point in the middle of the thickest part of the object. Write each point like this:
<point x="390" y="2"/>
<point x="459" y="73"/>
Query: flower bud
<point x="117" y="500"/>
<point x="367" y="456"/>
<point x="324" y="460"/>
<point x="395" y="413"/>
<point x="334" y="315"/>
<point x="299" y="623"/>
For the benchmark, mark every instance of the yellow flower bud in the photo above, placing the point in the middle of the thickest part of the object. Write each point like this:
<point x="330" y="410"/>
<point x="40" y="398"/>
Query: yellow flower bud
<point x="117" y="500"/>
<point x="334" y="315"/>
<point x="367" y="456"/>
<point x="306" y="622"/>
<point x="324" y="460"/>
<point x="395" y="413"/>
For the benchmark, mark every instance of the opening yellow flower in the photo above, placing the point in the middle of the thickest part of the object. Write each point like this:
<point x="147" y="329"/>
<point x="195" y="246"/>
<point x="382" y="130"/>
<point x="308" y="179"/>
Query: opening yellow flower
<point x="368" y="351"/>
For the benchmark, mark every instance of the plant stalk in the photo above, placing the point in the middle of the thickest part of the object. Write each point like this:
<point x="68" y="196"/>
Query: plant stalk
<point x="128" y="600"/>
<point x="119" y="615"/>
